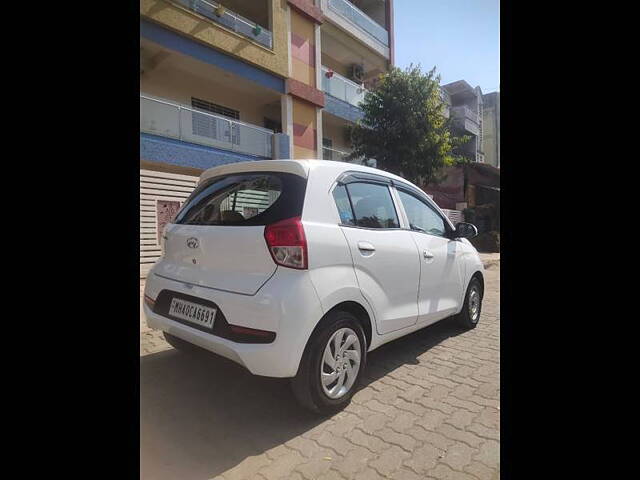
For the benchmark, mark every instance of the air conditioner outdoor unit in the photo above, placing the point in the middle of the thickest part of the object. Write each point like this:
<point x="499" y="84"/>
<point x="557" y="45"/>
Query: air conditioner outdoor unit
<point x="357" y="73"/>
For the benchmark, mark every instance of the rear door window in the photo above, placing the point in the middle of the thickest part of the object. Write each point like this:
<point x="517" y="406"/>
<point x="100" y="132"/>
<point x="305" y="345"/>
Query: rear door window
<point x="372" y="205"/>
<point x="244" y="199"/>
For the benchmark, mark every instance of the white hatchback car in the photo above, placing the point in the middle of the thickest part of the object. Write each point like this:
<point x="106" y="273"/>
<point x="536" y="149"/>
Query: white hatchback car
<point x="298" y="268"/>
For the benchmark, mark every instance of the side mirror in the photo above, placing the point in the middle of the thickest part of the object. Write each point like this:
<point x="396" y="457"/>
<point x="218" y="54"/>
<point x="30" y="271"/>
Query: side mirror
<point x="465" y="230"/>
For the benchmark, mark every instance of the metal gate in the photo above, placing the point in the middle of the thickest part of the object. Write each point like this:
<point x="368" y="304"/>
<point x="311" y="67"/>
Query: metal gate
<point x="161" y="195"/>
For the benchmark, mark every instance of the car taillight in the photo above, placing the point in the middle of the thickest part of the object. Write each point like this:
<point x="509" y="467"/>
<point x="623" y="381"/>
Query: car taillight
<point x="287" y="243"/>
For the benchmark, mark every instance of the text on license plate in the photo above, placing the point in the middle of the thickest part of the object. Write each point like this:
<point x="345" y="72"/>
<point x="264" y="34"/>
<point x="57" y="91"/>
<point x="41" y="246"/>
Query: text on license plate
<point x="192" y="312"/>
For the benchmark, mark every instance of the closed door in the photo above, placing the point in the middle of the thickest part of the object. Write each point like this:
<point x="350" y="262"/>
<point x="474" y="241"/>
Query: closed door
<point x="440" y="291"/>
<point x="385" y="257"/>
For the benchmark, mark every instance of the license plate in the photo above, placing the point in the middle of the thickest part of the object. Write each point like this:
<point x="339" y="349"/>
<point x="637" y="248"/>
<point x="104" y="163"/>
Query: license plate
<point x="192" y="312"/>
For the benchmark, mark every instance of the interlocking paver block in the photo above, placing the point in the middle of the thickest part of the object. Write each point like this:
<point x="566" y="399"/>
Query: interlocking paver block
<point x="389" y="461"/>
<point x="424" y="458"/>
<point x="320" y="463"/>
<point x="406" y="442"/>
<point x="458" y="435"/>
<point x="371" y="442"/>
<point x="489" y="417"/>
<point x="461" y="419"/>
<point x="443" y="472"/>
<point x="354" y="461"/>
<point x="458" y="456"/>
<point x="489" y="454"/>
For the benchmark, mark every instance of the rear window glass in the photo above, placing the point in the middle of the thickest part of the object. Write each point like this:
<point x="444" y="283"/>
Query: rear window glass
<point x="244" y="199"/>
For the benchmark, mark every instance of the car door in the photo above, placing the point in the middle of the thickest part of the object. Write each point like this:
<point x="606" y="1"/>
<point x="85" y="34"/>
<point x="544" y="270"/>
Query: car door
<point x="440" y="290"/>
<point x="385" y="257"/>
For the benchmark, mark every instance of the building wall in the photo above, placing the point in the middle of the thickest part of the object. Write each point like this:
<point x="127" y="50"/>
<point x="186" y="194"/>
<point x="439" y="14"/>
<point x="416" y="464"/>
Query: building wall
<point x="303" y="43"/>
<point x="304" y="74"/>
<point x="336" y="133"/>
<point x="210" y="33"/>
<point x="491" y="139"/>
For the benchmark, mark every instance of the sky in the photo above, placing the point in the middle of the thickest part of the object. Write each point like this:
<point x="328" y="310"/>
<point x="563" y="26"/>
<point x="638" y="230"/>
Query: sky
<point x="461" y="38"/>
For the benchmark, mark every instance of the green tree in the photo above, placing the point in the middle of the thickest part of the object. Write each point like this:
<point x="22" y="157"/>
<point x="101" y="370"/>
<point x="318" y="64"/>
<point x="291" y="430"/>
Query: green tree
<point x="404" y="127"/>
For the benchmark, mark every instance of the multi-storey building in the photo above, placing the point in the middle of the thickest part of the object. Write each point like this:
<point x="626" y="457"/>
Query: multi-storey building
<point x="235" y="80"/>
<point x="465" y="107"/>
<point x="491" y="128"/>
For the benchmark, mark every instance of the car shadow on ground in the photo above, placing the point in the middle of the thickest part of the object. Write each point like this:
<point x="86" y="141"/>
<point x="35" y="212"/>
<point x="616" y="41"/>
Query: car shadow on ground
<point x="201" y="415"/>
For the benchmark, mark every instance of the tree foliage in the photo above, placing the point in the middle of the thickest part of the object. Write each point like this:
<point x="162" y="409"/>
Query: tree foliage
<point x="404" y="127"/>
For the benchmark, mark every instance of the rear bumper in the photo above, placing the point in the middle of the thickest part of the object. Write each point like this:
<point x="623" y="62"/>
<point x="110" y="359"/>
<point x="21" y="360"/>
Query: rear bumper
<point x="287" y="304"/>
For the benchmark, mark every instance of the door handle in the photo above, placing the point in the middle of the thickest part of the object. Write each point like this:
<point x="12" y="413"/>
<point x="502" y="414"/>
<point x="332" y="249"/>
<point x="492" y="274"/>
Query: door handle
<point x="366" y="246"/>
<point x="427" y="254"/>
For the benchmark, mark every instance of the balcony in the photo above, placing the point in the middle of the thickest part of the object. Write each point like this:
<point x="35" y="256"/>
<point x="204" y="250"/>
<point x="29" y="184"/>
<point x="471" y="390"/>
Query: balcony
<point x="340" y="156"/>
<point x="357" y="18"/>
<point x="172" y="120"/>
<point x="230" y="20"/>
<point x="466" y="119"/>
<point x="335" y="155"/>
<point x="463" y="111"/>
<point x="342" y="88"/>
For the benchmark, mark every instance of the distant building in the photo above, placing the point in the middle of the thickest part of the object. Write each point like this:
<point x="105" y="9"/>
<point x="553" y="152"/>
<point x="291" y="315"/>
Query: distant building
<point x="465" y="107"/>
<point x="491" y="128"/>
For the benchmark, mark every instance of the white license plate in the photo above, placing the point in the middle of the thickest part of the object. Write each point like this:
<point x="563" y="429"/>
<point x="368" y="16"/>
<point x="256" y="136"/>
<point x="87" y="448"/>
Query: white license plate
<point x="192" y="312"/>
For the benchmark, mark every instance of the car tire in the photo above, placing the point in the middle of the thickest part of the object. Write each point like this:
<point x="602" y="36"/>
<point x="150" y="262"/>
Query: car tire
<point x="314" y="370"/>
<point x="178" y="343"/>
<point x="470" y="315"/>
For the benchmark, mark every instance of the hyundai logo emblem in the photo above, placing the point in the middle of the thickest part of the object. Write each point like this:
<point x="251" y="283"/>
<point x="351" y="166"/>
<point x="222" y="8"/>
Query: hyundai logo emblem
<point x="193" y="242"/>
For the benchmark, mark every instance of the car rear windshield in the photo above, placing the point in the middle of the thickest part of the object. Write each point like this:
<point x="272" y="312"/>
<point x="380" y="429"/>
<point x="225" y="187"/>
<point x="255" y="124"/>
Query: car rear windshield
<point x="244" y="199"/>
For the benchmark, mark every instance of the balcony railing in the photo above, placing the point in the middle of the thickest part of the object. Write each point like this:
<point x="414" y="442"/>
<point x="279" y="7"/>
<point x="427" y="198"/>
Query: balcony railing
<point x="230" y="20"/>
<point x="466" y="112"/>
<point x="335" y="155"/>
<point x="160" y="117"/>
<point x="340" y="156"/>
<point x="349" y="11"/>
<point x="342" y="88"/>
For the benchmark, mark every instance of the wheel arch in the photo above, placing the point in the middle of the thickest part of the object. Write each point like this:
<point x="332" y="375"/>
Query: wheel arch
<point x="478" y="274"/>
<point x="354" y="308"/>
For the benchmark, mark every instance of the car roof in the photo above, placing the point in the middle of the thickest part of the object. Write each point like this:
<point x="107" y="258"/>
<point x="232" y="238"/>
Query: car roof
<point x="297" y="167"/>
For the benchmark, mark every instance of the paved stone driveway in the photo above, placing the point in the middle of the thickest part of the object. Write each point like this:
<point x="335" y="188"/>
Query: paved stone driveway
<point x="429" y="407"/>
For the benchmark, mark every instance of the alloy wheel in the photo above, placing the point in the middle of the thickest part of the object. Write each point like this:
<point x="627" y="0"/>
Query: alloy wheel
<point x="340" y="363"/>
<point x="474" y="304"/>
